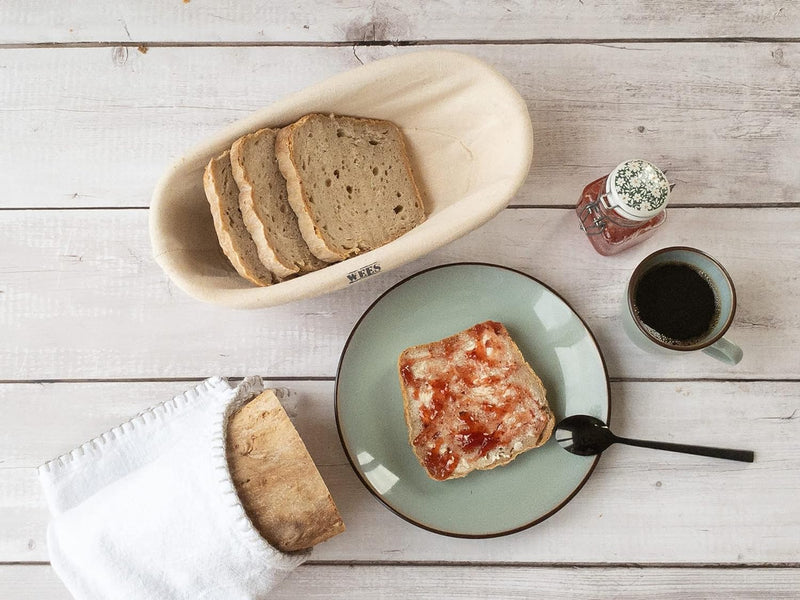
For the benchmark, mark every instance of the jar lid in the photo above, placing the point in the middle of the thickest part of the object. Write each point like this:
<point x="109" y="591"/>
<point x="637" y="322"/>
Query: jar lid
<point x="637" y="190"/>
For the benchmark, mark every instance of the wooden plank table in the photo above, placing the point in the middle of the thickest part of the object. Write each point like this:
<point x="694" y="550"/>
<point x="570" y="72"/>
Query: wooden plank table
<point x="96" y="102"/>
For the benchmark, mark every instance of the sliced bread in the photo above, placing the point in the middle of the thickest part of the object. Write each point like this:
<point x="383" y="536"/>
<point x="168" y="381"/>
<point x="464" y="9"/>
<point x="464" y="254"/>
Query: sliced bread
<point x="349" y="181"/>
<point x="223" y="197"/>
<point x="472" y="402"/>
<point x="276" y="479"/>
<point x="267" y="215"/>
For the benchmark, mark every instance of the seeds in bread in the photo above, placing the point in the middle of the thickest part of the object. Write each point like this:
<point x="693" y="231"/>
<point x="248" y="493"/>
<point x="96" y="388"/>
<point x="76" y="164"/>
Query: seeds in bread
<point x="472" y="402"/>
<point x="223" y="197"/>
<point x="265" y="209"/>
<point x="276" y="479"/>
<point x="349" y="181"/>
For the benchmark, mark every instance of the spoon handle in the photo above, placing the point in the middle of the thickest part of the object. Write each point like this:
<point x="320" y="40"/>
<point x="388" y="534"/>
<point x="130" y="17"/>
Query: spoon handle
<point x="727" y="453"/>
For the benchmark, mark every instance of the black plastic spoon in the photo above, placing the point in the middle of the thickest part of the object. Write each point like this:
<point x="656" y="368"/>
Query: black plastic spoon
<point x="585" y="435"/>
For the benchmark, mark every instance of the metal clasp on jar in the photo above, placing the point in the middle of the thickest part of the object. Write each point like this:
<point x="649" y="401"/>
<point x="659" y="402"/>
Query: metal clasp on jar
<point x="593" y="213"/>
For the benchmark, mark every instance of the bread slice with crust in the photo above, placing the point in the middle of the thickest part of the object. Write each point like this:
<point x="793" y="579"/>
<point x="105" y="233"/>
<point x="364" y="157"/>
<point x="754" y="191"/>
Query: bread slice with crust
<point x="350" y="183"/>
<point x="265" y="209"/>
<point x="223" y="198"/>
<point x="471" y="402"/>
<point x="277" y="482"/>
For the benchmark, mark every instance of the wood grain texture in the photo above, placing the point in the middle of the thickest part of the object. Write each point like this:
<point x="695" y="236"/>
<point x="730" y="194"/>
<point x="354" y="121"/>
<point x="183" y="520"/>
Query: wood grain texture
<point x="94" y="106"/>
<point x="98" y="126"/>
<point x="35" y="582"/>
<point x="81" y="298"/>
<point x="307" y="21"/>
<point x="640" y="506"/>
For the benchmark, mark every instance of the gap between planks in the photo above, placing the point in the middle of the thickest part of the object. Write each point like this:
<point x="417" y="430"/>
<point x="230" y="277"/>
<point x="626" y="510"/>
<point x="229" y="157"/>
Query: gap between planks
<point x="425" y="42"/>
<point x="332" y="379"/>
<point x="165" y="379"/>
<point x="509" y="207"/>
<point x="506" y="565"/>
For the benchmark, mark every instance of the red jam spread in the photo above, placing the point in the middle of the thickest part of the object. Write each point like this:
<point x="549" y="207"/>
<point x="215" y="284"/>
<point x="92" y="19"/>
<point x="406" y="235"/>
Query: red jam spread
<point x="469" y="403"/>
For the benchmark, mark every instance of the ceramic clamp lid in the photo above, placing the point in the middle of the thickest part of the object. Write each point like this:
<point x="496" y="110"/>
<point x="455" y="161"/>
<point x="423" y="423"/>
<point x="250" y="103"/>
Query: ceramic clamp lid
<point x="637" y="190"/>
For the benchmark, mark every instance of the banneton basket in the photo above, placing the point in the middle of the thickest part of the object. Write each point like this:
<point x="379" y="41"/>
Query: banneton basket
<point x="469" y="136"/>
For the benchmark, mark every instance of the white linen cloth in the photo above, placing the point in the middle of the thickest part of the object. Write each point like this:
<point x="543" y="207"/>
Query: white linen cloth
<point x="148" y="511"/>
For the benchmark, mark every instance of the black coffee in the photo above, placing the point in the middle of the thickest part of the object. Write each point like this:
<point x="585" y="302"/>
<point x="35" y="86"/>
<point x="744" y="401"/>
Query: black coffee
<point x="676" y="301"/>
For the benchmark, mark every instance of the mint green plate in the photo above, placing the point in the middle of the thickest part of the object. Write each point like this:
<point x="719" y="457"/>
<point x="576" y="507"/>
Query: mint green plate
<point x="434" y="304"/>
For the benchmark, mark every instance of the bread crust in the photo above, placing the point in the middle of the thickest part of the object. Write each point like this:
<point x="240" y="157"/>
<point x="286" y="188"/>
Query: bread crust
<point x="330" y="231"/>
<point x="277" y="482"/>
<point x="298" y="198"/>
<point x="280" y="267"/>
<point x="435" y="372"/>
<point x="255" y="273"/>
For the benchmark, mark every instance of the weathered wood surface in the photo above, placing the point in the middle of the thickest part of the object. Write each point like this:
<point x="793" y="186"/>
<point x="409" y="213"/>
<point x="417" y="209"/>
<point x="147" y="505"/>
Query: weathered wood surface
<point x="307" y="21"/>
<point x="36" y="582"/>
<point x="640" y="506"/>
<point x="83" y="299"/>
<point x="96" y="103"/>
<point x="96" y="127"/>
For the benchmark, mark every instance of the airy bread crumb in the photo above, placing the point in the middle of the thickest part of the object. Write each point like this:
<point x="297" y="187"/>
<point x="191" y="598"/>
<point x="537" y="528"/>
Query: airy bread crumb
<point x="350" y="183"/>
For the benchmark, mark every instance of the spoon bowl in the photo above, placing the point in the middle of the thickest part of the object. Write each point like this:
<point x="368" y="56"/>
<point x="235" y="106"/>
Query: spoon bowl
<point x="585" y="435"/>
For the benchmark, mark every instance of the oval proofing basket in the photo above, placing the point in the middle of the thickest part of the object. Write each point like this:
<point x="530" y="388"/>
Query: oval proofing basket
<point x="469" y="135"/>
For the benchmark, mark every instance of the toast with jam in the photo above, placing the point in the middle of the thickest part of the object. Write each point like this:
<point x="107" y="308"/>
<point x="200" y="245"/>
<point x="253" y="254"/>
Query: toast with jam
<point x="472" y="402"/>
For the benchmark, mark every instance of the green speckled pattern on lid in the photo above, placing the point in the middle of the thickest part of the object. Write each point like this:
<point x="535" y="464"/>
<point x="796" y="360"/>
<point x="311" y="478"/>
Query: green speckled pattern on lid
<point x="638" y="189"/>
<point x="432" y="305"/>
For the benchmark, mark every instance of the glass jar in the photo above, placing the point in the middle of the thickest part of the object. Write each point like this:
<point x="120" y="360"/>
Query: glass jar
<point x="624" y="207"/>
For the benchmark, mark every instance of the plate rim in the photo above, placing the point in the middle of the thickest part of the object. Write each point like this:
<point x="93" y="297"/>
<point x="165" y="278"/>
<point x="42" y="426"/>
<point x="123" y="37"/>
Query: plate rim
<point x="369" y="486"/>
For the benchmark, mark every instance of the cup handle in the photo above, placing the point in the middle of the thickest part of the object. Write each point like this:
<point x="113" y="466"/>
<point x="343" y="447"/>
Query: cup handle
<point x="726" y="351"/>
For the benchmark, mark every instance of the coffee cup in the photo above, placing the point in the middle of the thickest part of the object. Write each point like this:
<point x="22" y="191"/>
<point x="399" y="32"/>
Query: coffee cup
<point x="680" y="299"/>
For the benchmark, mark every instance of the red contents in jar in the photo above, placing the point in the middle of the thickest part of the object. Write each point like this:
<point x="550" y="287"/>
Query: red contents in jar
<point x="608" y="231"/>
